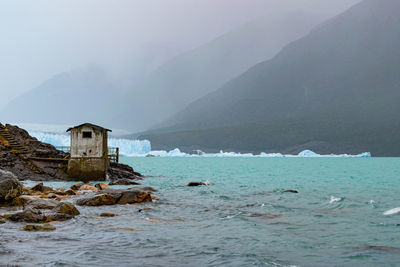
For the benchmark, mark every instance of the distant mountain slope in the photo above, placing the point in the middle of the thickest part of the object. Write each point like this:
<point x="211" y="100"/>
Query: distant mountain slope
<point x="344" y="73"/>
<point x="67" y="98"/>
<point x="202" y="70"/>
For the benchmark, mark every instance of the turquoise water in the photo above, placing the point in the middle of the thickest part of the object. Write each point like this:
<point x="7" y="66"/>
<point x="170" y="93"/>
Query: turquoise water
<point x="335" y="220"/>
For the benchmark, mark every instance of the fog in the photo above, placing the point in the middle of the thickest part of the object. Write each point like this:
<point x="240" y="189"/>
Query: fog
<point x="44" y="37"/>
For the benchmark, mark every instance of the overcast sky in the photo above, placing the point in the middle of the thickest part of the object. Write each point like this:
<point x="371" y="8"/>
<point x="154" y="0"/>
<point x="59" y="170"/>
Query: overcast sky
<point x="41" y="38"/>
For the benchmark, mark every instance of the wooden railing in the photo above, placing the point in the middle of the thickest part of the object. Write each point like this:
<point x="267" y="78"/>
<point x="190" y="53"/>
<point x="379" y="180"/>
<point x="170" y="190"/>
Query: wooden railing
<point x="112" y="152"/>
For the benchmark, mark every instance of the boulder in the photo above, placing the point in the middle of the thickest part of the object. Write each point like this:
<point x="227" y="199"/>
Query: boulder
<point x="28" y="215"/>
<point x="129" y="196"/>
<point x="134" y="196"/>
<point x="2" y="221"/>
<point x="97" y="200"/>
<point x="41" y="188"/>
<point x="124" y="182"/>
<point x="101" y="186"/>
<point x="76" y="186"/>
<point x="66" y="208"/>
<point x="40" y="203"/>
<point x="39" y="227"/>
<point x="88" y="187"/>
<point x="10" y="187"/>
<point x="56" y="216"/>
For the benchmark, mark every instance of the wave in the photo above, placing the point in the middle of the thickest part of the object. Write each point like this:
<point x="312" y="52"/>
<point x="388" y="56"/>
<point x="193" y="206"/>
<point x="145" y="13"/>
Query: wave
<point x="392" y="211"/>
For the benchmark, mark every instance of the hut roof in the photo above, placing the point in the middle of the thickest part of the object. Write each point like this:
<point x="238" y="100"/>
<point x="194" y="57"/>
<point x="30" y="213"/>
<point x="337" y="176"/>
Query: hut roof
<point x="89" y="125"/>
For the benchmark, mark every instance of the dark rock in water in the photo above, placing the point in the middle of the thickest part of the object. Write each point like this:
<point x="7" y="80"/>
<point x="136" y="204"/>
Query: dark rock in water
<point x="97" y="200"/>
<point x="66" y="208"/>
<point x="40" y="203"/>
<point x="39" y="227"/>
<point x="382" y="248"/>
<point x="124" y="182"/>
<point x="28" y="215"/>
<point x="57" y="216"/>
<point x="2" y="221"/>
<point x="70" y="192"/>
<point x="291" y="191"/>
<point x="10" y="188"/>
<point x="268" y="216"/>
<point x="195" y="184"/>
<point x="41" y="188"/>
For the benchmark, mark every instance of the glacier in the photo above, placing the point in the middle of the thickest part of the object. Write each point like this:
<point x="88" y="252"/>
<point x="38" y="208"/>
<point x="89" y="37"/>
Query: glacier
<point x="56" y="136"/>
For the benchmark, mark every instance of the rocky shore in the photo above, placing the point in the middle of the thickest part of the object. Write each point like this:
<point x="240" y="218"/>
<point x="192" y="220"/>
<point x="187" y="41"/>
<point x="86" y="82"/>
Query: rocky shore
<point x="30" y="159"/>
<point x="39" y="207"/>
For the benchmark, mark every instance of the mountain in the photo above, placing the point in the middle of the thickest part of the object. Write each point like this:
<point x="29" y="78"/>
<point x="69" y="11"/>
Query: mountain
<point x="204" y="69"/>
<point x="340" y="80"/>
<point x="67" y="98"/>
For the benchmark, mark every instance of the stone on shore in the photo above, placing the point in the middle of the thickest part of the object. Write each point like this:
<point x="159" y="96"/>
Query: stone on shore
<point x="10" y="187"/>
<point x="56" y="216"/>
<point x="97" y="200"/>
<point x="88" y="188"/>
<point x="41" y="188"/>
<point x="66" y="208"/>
<point x="129" y="196"/>
<point x="76" y="186"/>
<point x="101" y="186"/>
<point x="28" y="215"/>
<point x="40" y="203"/>
<point x="39" y="227"/>
<point x="124" y="182"/>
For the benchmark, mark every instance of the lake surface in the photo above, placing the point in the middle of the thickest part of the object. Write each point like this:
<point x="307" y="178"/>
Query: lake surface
<point x="336" y="219"/>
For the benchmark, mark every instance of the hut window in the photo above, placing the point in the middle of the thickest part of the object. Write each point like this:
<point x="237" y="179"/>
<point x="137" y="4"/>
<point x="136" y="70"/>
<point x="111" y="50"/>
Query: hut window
<point x="87" y="134"/>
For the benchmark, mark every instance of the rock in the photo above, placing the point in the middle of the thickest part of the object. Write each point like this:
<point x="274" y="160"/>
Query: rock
<point x="134" y="196"/>
<point x="10" y="187"/>
<point x="109" y="214"/>
<point x="88" y="187"/>
<point x="124" y="182"/>
<point x="28" y="215"/>
<point x="41" y="188"/>
<point x="101" y="186"/>
<point x="195" y="184"/>
<point x="129" y="196"/>
<point x="268" y="216"/>
<point x="42" y="203"/>
<point x="38" y="227"/>
<point x="62" y="197"/>
<point x="66" y="208"/>
<point x="70" y="192"/>
<point x="291" y="191"/>
<point x="2" y="221"/>
<point x="76" y="186"/>
<point x="97" y="200"/>
<point x="56" y="216"/>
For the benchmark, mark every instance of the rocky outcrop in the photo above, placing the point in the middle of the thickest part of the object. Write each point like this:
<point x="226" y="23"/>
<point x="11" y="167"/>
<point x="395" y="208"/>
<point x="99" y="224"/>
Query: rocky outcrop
<point x="40" y="203"/>
<point x="10" y="188"/>
<point x="97" y="200"/>
<point x="29" y="214"/>
<point x="39" y="227"/>
<point x="43" y="162"/>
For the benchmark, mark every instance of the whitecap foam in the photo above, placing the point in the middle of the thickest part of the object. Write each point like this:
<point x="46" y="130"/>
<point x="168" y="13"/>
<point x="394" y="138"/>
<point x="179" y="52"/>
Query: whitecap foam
<point x="334" y="199"/>
<point x="392" y="211"/>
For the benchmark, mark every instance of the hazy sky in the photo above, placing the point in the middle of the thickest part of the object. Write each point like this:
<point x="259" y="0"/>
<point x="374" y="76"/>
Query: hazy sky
<point x="41" y="38"/>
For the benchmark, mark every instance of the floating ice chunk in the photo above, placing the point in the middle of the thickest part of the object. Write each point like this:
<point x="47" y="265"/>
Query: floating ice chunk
<point x="308" y="153"/>
<point x="392" y="211"/>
